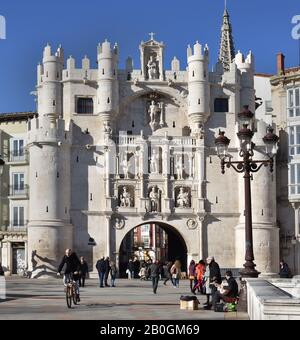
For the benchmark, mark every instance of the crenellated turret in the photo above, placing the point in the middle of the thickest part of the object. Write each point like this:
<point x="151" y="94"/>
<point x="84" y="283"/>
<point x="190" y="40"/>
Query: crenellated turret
<point x="49" y="84"/>
<point x="49" y="229"/>
<point x="198" y="85"/>
<point x="246" y="67"/>
<point x="108" y="91"/>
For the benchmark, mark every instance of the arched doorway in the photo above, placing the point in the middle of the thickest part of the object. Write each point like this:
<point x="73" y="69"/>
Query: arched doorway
<point x="152" y="240"/>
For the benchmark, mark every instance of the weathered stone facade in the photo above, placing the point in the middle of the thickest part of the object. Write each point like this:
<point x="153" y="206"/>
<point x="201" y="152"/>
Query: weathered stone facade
<point x="113" y="149"/>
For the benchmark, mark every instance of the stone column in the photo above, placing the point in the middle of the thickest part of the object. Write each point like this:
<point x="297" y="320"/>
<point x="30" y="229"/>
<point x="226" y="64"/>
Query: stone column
<point x="9" y="258"/>
<point x="117" y="166"/>
<point x="26" y="254"/>
<point x="296" y="211"/>
<point x="108" y="220"/>
<point x="107" y="173"/>
<point x="201" y="220"/>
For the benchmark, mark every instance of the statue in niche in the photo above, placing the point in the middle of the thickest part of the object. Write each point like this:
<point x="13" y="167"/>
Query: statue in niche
<point x="125" y="198"/>
<point x="156" y="115"/>
<point x="183" y="199"/>
<point x="125" y="167"/>
<point x="152" y="111"/>
<point x="179" y="168"/>
<point x="152" y="68"/>
<point x="154" y="163"/>
<point x="107" y="128"/>
<point x="154" y="199"/>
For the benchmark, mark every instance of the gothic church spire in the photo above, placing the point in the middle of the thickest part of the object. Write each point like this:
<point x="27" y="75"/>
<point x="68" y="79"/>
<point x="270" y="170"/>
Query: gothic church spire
<point x="226" y="53"/>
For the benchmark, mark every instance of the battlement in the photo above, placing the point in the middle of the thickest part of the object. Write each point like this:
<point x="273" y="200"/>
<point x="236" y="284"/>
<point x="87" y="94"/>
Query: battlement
<point x="198" y="53"/>
<point x="58" y="56"/>
<point x="85" y="73"/>
<point x="244" y="64"/>
<point x="105" y="50"/>
<point x="39" y="132"/>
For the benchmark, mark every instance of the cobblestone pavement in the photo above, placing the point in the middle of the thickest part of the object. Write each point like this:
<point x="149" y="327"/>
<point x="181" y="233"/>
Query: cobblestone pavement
<point x="131" y="299"/>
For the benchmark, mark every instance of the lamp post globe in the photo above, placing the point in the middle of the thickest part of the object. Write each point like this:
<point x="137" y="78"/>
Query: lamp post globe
<point x="271" y="140"/>
<point x="245" y="136"/>
<point x="246" y="116"/>
<point x="222" y="143"/>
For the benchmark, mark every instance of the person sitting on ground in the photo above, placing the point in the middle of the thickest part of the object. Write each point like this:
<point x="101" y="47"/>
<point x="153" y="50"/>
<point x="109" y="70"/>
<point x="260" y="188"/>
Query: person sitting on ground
<point x="285" y="272"/>
<point x="228" y="291"/>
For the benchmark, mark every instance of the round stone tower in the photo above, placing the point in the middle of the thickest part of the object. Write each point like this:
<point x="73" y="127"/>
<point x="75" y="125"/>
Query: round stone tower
<point x="49" y="228"/>
<point x="108" y="90"/>
<point x="198" y="86"/>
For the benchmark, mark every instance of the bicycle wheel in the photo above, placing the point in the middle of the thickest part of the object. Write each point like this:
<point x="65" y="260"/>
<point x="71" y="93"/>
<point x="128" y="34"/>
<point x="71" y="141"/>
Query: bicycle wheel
<point x="69" y="296"/>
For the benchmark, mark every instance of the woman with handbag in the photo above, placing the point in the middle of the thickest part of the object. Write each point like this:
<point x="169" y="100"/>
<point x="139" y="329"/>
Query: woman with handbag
<point x="176" y="272"/>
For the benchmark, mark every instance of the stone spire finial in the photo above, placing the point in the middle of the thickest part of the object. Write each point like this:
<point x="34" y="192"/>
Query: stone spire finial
<point x="226" y="53"/>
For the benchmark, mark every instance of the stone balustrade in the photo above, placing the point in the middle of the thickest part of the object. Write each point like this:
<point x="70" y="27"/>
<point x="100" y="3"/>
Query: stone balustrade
<point x="266" y="301"/>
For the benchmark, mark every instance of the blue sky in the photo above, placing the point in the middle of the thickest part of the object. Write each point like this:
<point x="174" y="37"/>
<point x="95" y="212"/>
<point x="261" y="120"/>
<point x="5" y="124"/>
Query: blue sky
<point x="264" y="26"/>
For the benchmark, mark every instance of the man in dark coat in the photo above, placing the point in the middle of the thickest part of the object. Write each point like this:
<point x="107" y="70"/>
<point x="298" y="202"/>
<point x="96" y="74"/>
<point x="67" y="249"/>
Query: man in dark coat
<point x="214" y="275"/>
<point x="154" y="272"/>
<point x="107" y="270"/>
<point x="101" y="267"/>
<point x="83" y="271"/>
<point x="72" y="263"/>
<point x="214" y="270"/>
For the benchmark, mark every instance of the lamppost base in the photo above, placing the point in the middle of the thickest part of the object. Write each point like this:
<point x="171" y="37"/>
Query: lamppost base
<point x="249" y="272"/>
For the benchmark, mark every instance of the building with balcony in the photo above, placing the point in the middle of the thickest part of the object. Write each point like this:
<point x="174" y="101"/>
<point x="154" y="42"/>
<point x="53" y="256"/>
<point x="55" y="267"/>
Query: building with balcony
<point x="115" y="149"/>
<point x="14" y="191"/>
<point x="286" y="104"/>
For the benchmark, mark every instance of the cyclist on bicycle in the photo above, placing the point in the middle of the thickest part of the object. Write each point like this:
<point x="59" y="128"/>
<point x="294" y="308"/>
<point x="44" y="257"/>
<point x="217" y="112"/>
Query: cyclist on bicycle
<point x="72" y="263"/>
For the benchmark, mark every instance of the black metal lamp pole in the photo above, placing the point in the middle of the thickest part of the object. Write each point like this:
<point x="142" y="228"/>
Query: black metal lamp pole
<point x="247" y="166"/>
<point x="1" y="165"/>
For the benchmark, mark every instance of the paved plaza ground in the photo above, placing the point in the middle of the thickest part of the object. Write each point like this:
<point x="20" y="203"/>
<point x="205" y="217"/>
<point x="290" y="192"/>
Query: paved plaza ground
<point x="132" y="299"/>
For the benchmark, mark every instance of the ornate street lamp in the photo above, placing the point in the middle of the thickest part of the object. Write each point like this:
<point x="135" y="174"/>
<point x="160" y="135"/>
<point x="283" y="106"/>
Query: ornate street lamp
<point x="247" y="166"/>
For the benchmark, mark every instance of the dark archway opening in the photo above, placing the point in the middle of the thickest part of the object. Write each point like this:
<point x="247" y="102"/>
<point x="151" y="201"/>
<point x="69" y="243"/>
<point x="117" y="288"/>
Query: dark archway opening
<point x="155" y="241"/>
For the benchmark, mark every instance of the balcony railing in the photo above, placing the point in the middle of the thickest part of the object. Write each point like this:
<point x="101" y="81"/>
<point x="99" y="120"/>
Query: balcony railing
<point x="16" y="192"/>
<point x="18" y="156"/>
<point x="10" y="226"/>
<point x="133" y="139"/>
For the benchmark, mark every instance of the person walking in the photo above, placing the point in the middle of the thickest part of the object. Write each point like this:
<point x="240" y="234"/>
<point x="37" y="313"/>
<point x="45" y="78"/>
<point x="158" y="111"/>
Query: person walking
<point x="200" y="271"/>
<point x="192" y="274"/>
<point x="113" y="273"/>
<point x="176" y="272"/>
<point x="167" y="270"/>
<point x="101" y="267"/>
<point x="130" y="269"/>
<point x="154" y="274"/>
<point x="107" y="270"/>
<point x="84" y="269"/>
